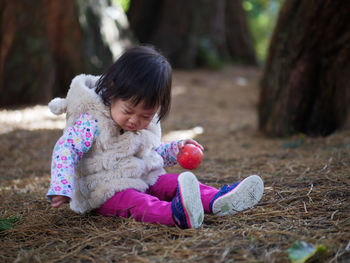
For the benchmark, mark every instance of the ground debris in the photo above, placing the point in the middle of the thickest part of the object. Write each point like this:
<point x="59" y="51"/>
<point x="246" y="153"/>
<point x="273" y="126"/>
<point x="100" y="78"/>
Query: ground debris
<point x="306" y="197"/>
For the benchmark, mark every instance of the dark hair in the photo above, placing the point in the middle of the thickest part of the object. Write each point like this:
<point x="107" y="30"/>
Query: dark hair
<point x="140" y="74"/>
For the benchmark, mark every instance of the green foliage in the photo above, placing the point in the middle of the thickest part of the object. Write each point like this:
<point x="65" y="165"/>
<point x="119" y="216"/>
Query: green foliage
<point x="208" y="55"/>
<point x="301" y="252"/>
<point x="124" y="4"/>
<point x="262" y="16"/>
<point x="8" y="223"/>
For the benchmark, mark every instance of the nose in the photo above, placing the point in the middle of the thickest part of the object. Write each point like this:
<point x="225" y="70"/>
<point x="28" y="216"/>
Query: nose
<point x="134" y="121"/>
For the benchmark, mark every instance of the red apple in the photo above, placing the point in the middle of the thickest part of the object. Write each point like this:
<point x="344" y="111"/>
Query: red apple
<point x="190" y="156"/>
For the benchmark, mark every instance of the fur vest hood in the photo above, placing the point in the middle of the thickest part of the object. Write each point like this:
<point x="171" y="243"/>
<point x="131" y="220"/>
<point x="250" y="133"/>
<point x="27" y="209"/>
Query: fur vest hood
<point x="116" y="161"/>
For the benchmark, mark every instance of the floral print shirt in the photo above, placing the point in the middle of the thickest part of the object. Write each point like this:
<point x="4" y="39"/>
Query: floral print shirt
<point x="78" y="140"/>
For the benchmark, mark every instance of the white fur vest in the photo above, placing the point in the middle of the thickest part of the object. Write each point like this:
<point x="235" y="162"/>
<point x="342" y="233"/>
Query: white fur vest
<point x="116" y="161"/>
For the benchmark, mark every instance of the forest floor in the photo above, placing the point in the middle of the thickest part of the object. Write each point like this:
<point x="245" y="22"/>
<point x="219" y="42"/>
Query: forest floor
<point x="306" y="198"/>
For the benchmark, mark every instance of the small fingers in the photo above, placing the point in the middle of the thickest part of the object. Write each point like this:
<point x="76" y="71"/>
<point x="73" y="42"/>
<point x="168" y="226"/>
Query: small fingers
<point x="57" y="204"/>
<point x="58" y="200"/>
<point x="199" y="145"/>
<point x="182" y="143"/>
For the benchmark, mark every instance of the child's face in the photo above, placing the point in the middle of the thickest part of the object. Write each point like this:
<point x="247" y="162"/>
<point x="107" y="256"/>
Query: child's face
<point x="129" y="117"/>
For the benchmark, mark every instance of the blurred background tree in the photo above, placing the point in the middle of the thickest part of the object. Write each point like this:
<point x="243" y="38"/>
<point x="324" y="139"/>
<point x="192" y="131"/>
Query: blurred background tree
<point x="261" y="16"/>
<point x="306" y="82"/>
<point x="194" y="33"/>
<point x="305" y="86"/>
<point x="45" y="43"/>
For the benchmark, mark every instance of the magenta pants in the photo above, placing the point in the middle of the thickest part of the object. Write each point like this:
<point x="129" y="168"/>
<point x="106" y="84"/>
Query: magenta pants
<point x="153" y="206"/>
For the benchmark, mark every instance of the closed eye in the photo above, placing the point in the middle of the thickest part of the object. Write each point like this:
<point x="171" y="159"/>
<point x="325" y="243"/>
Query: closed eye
<point x="126" y="111"/>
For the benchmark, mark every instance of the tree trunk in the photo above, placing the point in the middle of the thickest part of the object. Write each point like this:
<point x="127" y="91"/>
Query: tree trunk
<point x="176" y="31"/>
<point x="26" y="65"/>
<point x="45" y="43"/>
<point x="143" y="17"/>
<point x="306" y="84"/>
<point x="239" y="41"/>
<point x="193" y="33"/>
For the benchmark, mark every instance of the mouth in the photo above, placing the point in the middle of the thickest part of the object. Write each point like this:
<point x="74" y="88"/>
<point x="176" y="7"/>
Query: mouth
<point x="131" y="128"/>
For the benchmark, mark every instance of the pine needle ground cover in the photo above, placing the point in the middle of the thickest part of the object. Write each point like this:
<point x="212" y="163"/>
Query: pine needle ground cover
<point x="307" y="188"/>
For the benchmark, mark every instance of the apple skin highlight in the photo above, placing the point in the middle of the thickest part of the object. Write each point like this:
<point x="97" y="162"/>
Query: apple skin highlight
<point x="190" y="157"/>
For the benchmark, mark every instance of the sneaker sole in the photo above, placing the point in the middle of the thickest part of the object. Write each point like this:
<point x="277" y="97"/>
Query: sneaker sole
<point x="247" y="194"/>
<point x="191" y="199"/>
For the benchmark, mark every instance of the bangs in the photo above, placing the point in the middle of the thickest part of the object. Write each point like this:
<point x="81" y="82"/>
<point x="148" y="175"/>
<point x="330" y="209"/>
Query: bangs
<point x="148" y="103"/>
<point x="150" y="94"/>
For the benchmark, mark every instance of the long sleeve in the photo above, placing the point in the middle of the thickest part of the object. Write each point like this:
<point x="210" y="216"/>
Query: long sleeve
<point x="68" y="151"/>
<point x="169" y="152"/>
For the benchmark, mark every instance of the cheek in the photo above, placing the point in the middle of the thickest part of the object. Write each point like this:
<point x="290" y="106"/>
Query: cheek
<point x="122" y="119"/>
<point x="118" y="118"/>
<point x="145" y="124"/>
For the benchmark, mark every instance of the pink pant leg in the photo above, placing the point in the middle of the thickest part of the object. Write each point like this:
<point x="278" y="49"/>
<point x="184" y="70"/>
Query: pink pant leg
<point x="141" y="206"/>
<point x="207" y="194"/>
<point x="165" y="189"/>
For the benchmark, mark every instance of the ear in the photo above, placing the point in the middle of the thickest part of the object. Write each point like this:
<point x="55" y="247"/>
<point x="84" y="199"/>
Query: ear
<point x="58" y="106"/>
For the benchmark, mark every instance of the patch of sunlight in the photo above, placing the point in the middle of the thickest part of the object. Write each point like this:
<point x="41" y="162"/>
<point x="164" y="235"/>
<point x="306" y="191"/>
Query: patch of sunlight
<point x="25" y="185"/>
<point x="247" y="6"/>
<point x="178" y="90"/>
<point x="183" y="134"/>
<point x="40" y="117"/>
<point x="240" y="81"/>
<point x="30" y="118"/>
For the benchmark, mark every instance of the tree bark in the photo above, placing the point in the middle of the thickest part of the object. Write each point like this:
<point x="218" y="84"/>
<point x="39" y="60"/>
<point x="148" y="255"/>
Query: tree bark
<point x="239" y="41"/>
<point x="306" y="83"/>
<point x="45" y="43"/>
<point x="193" y="33"/>
<point x="176" y="31"/>
<point x="26" y="65"/>
<point x="143" y="17"/>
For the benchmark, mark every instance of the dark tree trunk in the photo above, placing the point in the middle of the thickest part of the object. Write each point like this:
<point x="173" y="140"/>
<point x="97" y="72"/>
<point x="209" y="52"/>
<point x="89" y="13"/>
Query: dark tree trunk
<point x="45" y="43"/>
<point x="214" y="28"/>
<point x="143" y="17"/>
<point x="192" y="33"/>
<point x="176" y="31"/>
<point x="64" y="34"/>
<point x="239" y="41"/>
<point x="27" y="69"/>
<point x="306" y="83"/>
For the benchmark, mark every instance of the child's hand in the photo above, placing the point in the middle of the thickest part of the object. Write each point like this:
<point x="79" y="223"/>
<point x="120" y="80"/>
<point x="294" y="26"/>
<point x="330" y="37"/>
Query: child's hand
<point x="58" y="200"/>
<point x="182" y="143"/>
